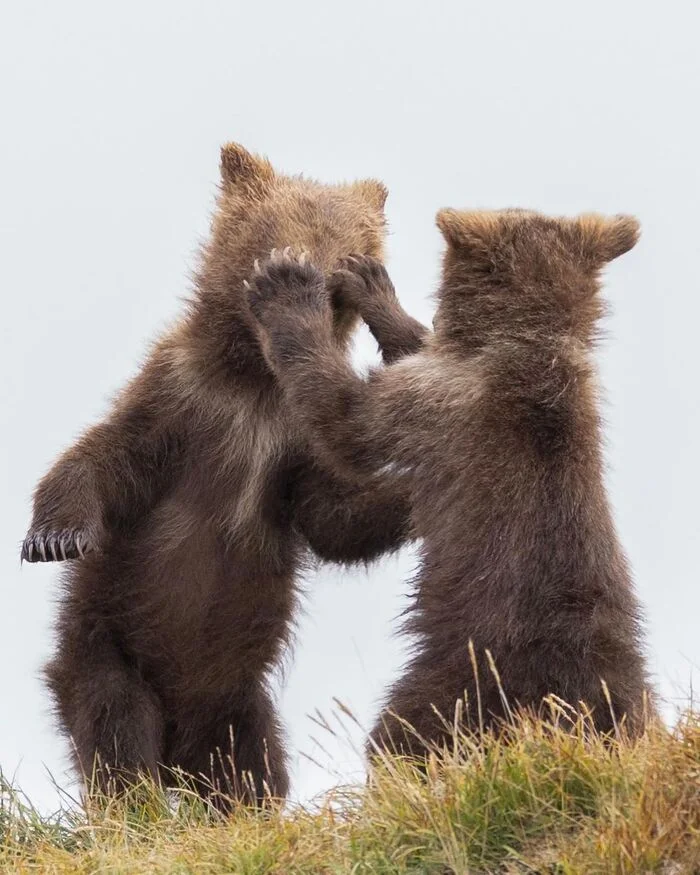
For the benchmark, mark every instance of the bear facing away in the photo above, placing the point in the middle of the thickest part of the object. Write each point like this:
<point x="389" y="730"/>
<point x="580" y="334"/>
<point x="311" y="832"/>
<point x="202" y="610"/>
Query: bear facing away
<point x="188" y="510"/>
<point x="496" y="423"/>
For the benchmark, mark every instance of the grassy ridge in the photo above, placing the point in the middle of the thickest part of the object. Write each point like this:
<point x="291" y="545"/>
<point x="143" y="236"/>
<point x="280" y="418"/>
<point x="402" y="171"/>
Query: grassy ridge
<point x="541" y="799"/>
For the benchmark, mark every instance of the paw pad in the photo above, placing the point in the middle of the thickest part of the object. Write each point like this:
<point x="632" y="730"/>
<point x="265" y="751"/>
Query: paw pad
<point x="284" y="279"/>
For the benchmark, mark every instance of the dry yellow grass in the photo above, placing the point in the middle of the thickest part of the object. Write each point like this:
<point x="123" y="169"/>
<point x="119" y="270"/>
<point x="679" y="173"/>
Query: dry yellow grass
<point x="540" y="799"/>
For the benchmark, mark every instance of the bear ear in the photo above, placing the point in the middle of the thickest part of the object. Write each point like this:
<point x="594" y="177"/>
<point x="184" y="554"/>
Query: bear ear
<point x="474" y="230"/>
<point x="372" y="192"/>
<point x="603" y="238"/>
<point x="241" y="169"/>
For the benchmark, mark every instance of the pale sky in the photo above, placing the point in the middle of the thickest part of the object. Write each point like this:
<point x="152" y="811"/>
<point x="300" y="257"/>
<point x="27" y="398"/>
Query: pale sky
<point x="113" y="115"/>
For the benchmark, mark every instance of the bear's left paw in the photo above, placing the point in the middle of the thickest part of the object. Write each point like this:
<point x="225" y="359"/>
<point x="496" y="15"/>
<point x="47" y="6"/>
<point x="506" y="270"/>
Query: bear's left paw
<point x="283" y="282"/>
<point x="362" y="283"/>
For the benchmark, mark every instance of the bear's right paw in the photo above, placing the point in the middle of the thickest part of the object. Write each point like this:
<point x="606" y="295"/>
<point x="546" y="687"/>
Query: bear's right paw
<point x="282" y="283"/>
<point x="56" y="546"/>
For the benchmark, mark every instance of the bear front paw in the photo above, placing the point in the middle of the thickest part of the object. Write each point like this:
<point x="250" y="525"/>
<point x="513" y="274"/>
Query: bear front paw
<point x="359" y="280"/>
<point x="56" y="546"/>
<point x="285" y="282"/>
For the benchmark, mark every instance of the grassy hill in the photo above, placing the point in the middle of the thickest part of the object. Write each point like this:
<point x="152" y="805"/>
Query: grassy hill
<point x="539" y="800"/>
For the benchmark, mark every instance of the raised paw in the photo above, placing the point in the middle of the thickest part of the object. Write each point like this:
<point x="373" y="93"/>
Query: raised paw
<point x="285" y="281"/>
<point x="358" y="280"/>
<point x="46" y="546"/>
<point x="371" y="269"/>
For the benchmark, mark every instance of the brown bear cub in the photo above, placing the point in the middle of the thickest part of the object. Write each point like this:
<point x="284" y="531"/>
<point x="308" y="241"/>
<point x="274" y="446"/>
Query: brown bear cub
<point x="496" y="423"/>
<point x="191" y="507"/>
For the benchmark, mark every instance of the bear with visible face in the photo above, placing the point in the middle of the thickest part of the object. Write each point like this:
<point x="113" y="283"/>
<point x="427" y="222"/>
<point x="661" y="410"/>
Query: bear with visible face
<point x="496" y="424"/>
<point x="186" y="513"/>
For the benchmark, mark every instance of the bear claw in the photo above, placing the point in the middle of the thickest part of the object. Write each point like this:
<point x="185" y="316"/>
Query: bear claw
<point x="54" y="547"/>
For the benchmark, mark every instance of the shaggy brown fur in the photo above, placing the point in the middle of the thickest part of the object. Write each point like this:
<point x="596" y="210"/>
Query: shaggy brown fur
<point x="194" y="502"/>
<point x="496" y="422"/>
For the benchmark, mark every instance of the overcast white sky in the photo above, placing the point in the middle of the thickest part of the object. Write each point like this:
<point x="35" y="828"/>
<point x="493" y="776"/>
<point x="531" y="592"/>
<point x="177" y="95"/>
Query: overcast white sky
<point x="112" y="116"/>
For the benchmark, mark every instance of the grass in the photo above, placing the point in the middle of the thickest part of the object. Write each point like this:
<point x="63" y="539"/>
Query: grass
<point x="538" y="799"/>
